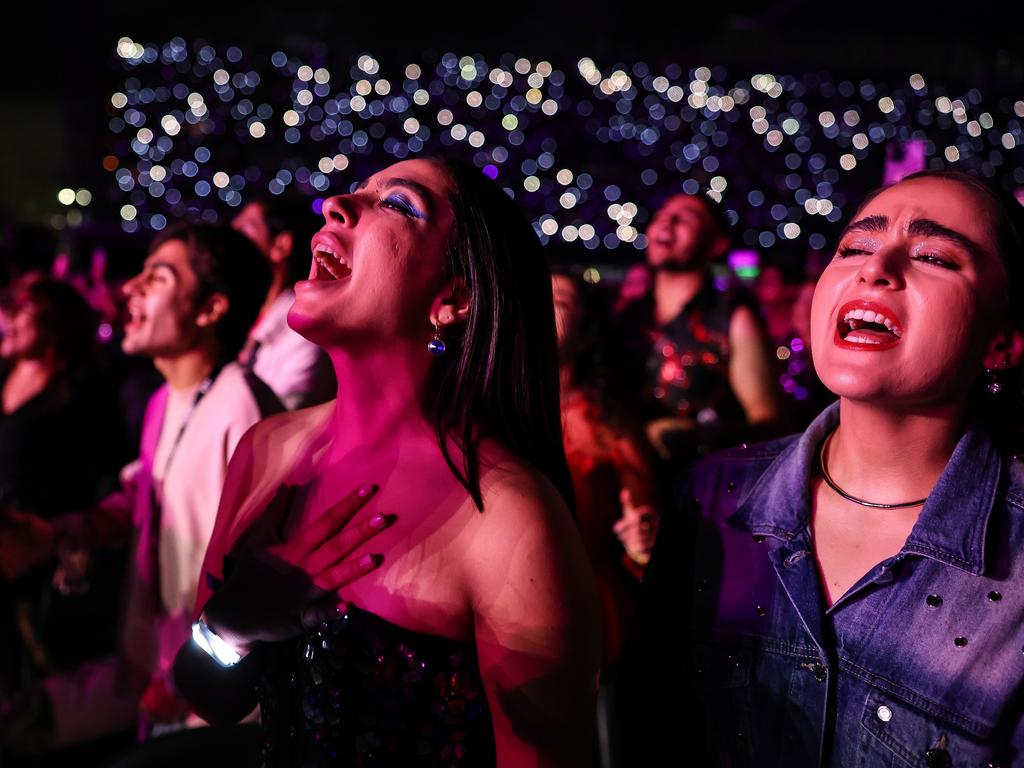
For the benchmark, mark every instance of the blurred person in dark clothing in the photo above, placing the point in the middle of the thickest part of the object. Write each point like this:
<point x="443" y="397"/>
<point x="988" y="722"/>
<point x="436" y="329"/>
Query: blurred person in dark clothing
<point x="60" y="444"/>
<point x="701" y="365"/>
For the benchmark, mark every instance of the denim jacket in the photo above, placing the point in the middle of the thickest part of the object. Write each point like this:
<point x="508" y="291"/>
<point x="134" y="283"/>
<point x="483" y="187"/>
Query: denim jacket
<point x="736" y="662"/>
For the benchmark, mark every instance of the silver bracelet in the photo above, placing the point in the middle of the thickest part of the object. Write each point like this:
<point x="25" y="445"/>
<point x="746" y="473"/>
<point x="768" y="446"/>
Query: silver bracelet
<point x="213" y="644"/>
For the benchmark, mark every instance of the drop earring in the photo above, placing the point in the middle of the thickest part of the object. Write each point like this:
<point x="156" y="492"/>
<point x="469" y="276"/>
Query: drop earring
<point x="436" y="345"/>
<point x="994" y="386"/>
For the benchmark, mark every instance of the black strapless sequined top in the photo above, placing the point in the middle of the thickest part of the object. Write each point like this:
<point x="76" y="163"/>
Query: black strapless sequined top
<point x="362" y="691"/>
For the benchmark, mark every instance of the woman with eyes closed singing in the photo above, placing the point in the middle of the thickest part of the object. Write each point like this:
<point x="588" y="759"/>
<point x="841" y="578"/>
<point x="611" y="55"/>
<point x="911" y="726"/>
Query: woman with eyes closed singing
<point x="433" y="495"/>
<point x="854" y="596"/>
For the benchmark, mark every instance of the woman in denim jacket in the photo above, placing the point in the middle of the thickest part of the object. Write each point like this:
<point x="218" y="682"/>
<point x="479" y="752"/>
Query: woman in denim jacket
<point x="854" y="595"/>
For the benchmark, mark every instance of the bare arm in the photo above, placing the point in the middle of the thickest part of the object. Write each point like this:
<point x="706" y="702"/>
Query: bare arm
<point x="537" y="627"/>
<point x="750" y="369"/>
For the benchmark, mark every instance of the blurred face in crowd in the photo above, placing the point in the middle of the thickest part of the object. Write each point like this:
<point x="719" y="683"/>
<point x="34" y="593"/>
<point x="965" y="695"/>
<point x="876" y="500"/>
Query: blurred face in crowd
<point x="682" y="235"/>
<point x="910" y="309"/>
<point x="770" y="289"/>
<point x="21" y="339"/>
<point x="252" y="223"/>
<point x="378" y="261"/>
<point x="568" y="311"/>
<point x="161" y="304"/>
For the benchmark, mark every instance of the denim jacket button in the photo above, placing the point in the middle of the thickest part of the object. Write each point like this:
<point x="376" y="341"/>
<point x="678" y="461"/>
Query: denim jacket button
<point x="934" y="601"/>
<point x="884" y="713"/>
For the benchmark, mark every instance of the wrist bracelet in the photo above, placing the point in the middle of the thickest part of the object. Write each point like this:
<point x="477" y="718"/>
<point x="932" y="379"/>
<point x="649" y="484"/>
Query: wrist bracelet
<point x="213" y="644"/>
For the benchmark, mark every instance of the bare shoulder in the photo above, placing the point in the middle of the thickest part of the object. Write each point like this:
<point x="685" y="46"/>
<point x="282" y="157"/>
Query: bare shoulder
<point x="744" y="324"/>
<point x="525" y="542"/>
<point x="517" y="497"/>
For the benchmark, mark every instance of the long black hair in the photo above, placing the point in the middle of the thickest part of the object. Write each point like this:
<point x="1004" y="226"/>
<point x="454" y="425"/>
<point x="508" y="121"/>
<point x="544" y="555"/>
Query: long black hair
<point x="501" y="372"/>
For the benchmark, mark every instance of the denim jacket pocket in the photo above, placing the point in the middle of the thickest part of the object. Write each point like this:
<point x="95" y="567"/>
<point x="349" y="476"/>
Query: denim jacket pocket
<point x="902" y="735"/>
<point x="722" y="676"/>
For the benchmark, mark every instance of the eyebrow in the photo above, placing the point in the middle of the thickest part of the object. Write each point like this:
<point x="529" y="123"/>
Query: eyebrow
<point x="923" y="227"/>
<point x="869" y="224"/>
<point x="930" y="228"/>
<point x="415" y="186"/>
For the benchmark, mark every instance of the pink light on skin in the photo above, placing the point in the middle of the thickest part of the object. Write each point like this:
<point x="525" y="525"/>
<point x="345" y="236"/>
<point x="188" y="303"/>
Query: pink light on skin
<point x="903" y="158"/>
<point x="61" y="267"/>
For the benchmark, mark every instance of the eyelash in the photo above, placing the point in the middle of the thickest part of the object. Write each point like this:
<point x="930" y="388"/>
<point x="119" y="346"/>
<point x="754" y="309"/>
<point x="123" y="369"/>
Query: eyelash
<point x="927" y="258"/>
<point x="403" y="206"/>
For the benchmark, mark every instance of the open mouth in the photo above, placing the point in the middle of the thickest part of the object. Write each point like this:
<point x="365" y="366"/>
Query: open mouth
<point x="865" y="324"/>
<point x="133" y="319"/>
<point x="328" y="264"/>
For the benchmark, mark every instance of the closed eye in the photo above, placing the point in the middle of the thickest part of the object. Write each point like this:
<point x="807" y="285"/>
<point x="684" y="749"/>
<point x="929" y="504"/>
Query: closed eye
<point x="931" y="258"/>
<point x="844" y="252"/>
<point x="403" y="205"/>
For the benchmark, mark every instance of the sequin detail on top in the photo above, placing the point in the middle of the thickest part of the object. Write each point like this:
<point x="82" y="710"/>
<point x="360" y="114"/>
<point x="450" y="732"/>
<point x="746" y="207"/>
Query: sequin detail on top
<point x="362" y="691"/>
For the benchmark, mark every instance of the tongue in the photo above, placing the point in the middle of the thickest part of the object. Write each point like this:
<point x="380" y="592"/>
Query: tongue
<point x="873" y="334"/>
<point x="873" y="331"/>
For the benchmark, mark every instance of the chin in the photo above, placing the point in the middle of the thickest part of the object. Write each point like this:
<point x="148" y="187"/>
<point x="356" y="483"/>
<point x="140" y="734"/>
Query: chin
<point x="311" y="327"/>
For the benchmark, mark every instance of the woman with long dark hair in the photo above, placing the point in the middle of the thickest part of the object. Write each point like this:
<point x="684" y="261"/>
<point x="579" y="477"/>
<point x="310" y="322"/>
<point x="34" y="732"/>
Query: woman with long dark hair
<point x="471" y="632"/>
<point x="854" y="595"/>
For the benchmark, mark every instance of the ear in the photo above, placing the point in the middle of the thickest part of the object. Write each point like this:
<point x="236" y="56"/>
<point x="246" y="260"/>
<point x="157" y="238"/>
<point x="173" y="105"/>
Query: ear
<point x="451" y="305"/>
<point x="1005" y="350"/>
<point x="281" y="247"/>
<point x="213" y="310"/>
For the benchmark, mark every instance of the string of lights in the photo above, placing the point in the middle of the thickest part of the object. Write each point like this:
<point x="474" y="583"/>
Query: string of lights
<point x="588" y="148"/>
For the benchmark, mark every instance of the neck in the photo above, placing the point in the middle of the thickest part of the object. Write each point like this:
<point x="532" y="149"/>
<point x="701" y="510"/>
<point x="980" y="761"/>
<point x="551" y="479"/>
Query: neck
<point x="892" y="455"/>
<point x="380" y="397"/>
<point x="187" y="369"/>
<point x="673" y="291"/>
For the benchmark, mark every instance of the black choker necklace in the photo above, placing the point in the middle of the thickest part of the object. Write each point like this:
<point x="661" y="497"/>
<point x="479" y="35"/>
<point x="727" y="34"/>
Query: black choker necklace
<point x="849" y="496"/>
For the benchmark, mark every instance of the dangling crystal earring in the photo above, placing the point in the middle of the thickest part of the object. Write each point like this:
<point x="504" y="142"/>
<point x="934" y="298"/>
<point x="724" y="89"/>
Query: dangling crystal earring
<point x="436" y="346"/>
<point x="994" y="386"/>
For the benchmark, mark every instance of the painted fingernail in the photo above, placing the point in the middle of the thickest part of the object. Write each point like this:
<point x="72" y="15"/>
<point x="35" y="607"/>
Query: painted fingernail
<point x="366" y="561"/>
<point x="379" y="520"/>
<point x="366" y="490"/>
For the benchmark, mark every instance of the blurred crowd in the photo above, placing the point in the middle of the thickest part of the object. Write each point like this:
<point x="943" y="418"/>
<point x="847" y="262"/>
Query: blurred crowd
<point x="123" y="399"/>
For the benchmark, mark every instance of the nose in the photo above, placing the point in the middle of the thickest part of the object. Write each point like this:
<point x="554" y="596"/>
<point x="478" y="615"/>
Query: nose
<point x="340" y="210"/>
<point x="883" y="268"/>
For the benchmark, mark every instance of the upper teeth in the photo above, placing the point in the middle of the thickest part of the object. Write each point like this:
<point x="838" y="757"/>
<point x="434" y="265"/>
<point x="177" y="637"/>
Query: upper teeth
<point x="868" y="316"/>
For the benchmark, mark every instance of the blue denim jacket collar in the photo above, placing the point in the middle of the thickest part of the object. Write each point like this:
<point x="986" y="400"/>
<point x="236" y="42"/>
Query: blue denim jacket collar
<point x="952" y="524"/>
